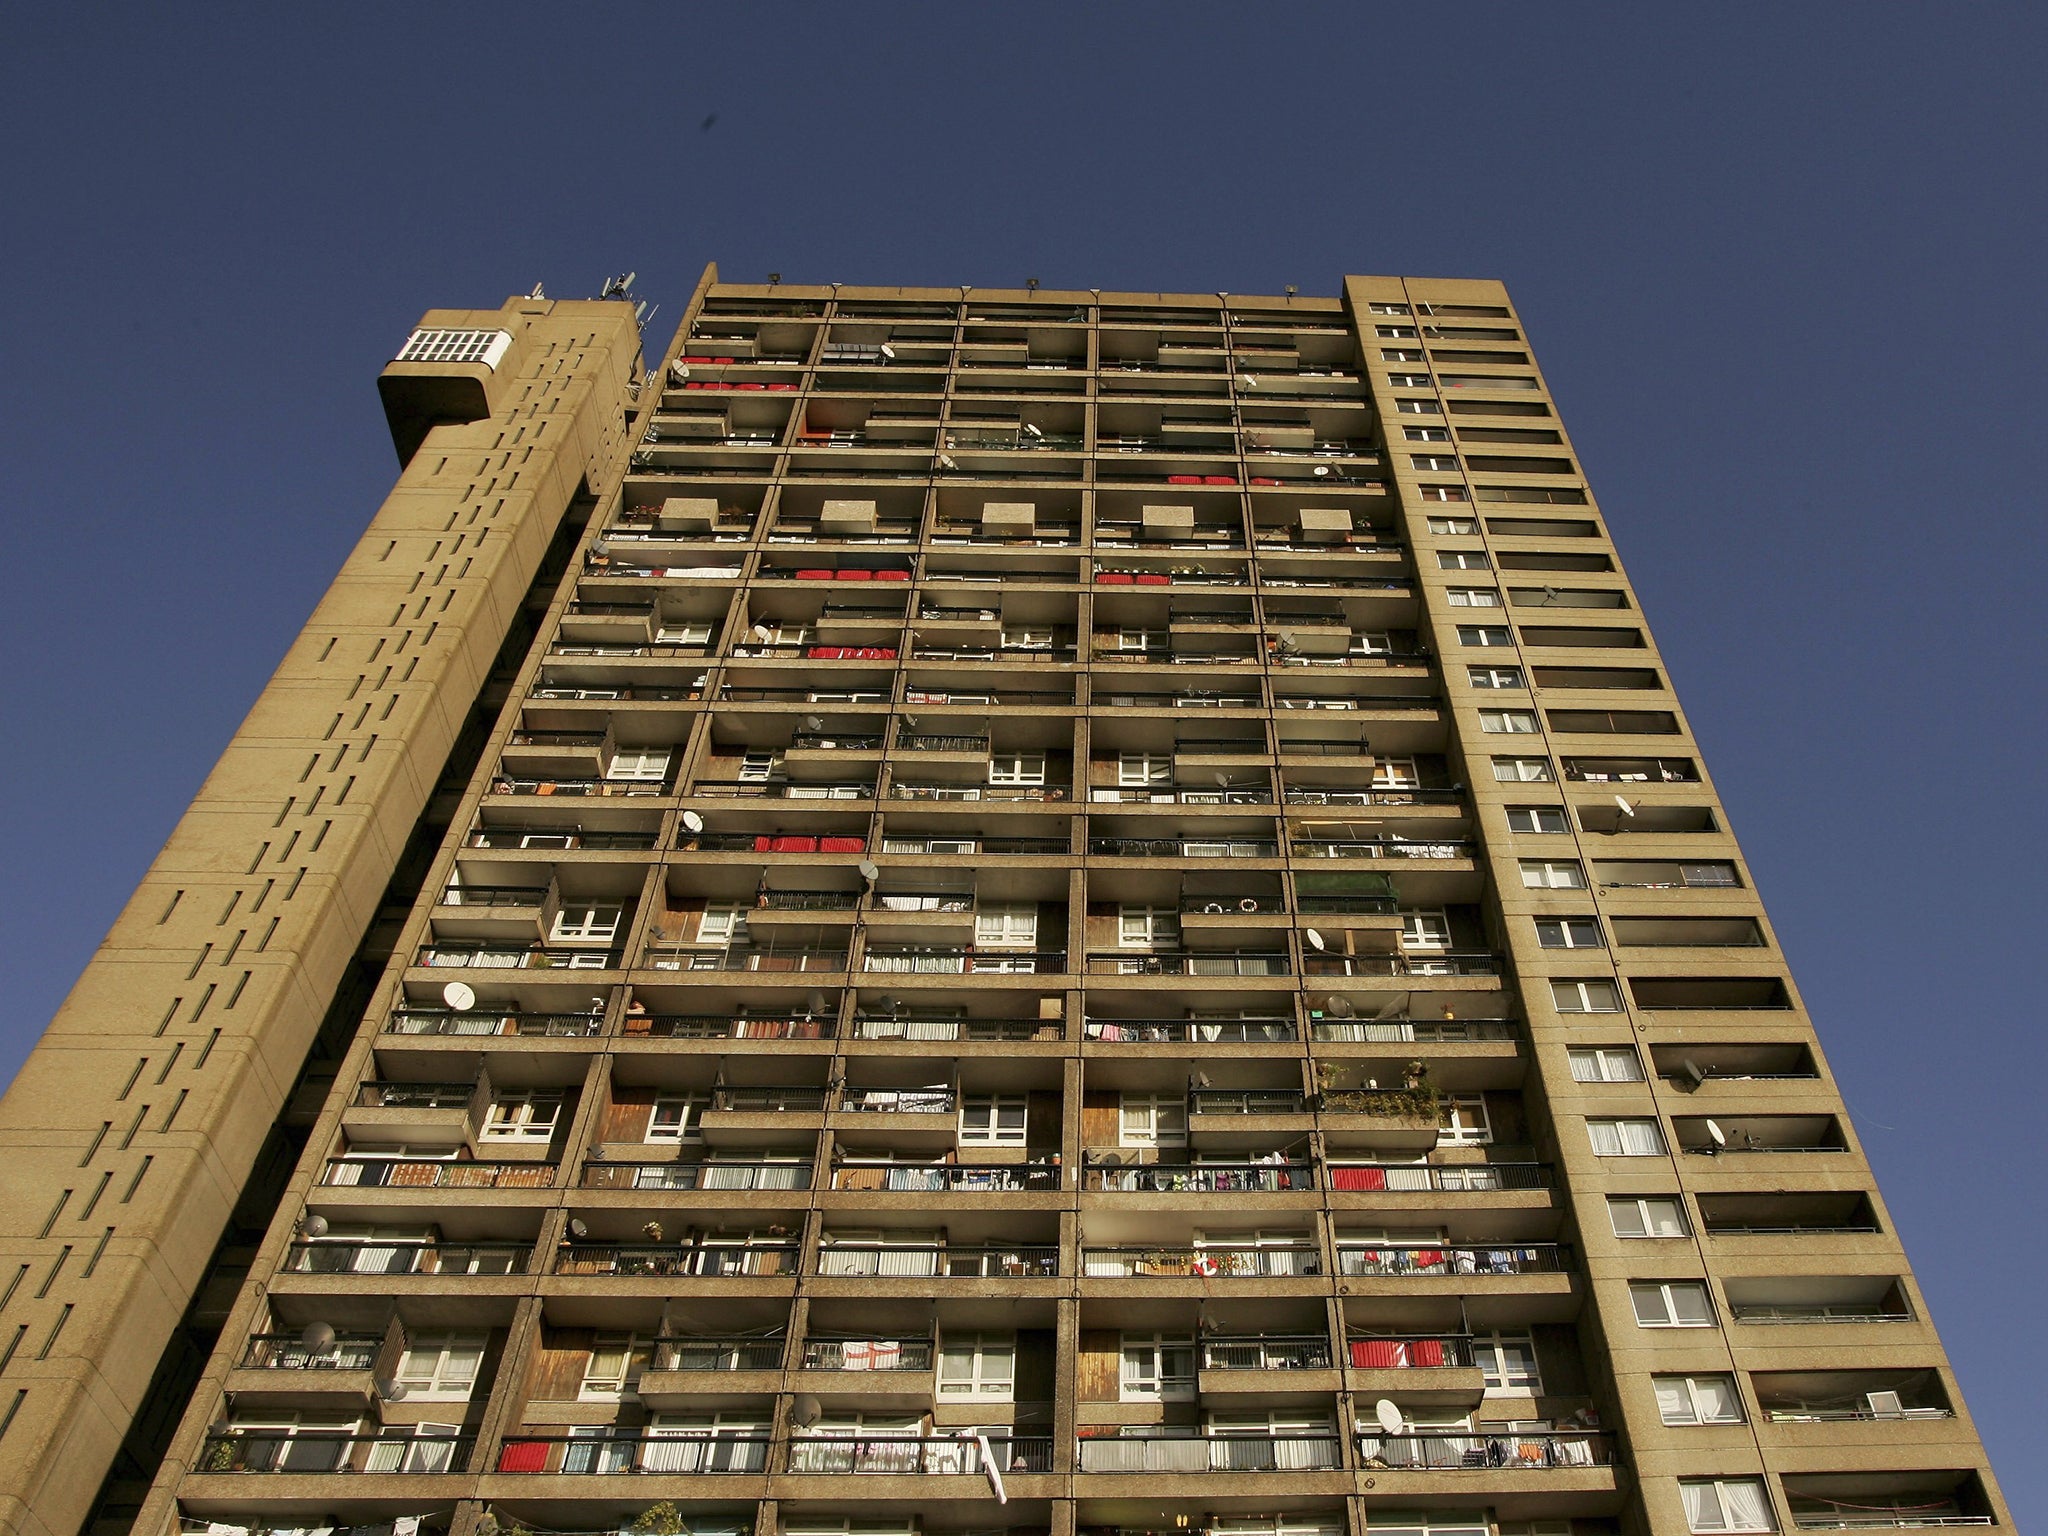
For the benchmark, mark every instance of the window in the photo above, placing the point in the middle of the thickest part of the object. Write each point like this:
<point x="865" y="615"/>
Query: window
<point x="992" y="1120"/>
<point x="1461" y="559"/>
<point x="1157" y="1367"/>
<point x="522" y="1116"/>
<point x="639" y="767"/>
<point x="590" y="922"/>
<point x="1484" y="634"/>
<point x="1569" y="933"/>
<point x="1605" y="1064"/>
<point x="441" y="1366"/>
<point x="674" y="1119"/>
<point x="431" y="344"/>
<point x="1522" y="770"/>
<point x="1507" y="722"/>
<point x="1147" y="927"/>
<point x="1553" y="875"/>
<point x="1382" y="307"/>
<point x="1697" y="1399"/>
<point x="757" y="767"/>
<point x="686" y="632"/>
<point x="1007" y="927"/>
<point x="616" y="1361"/>
<point x="1670" y="1304"/>
<point x="1494" y="677"/>
<point x="1371" y="642"/>
<point x="1461" y="1120"/>
<point x="1441" y="1522"/>
<point x="1535" y="818"/>
<point x="1597" y="996"/>
<point x="1409" y="381"/>
<point x="1441" y="492"/>
<point x="723" y="923"/>
<point x="1472" y="597"/>
<point x="1152" y="1120"/>
<point x="1017" y="768"/>
<point x="1426" y="929"/>
<point x="1419" y="408"/>
<point x="1646" y="1217"/>
<point x="1422" y="434"/>
<point x="1453" y="525"/>
<point x="1028" y="638"/>
<point x="1443" y="461"/>
<point x="1139" y="770"/>
<point x="1140" y="640"/>
<point x="1406" y="355"/>
<point x="1394" y="332"/>
<point x="1508" y="1363"/>
<point x="978" y="1365"/>
<point x="1395" y="773"/>
<point x="1726" y="1504"/>
<point x="1625" y="1138"/>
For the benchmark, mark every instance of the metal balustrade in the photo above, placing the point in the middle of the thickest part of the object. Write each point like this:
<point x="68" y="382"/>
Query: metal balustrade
<point x="1152" y="1451"/>
<point x="1132" y="1261"/>
<point x="289" y="1352"/>
<point x="1383" y="1259"/>
<point x="1189" y="1031"/>
<point x="397" y="1450"/>
<point x="1460" y="1451"/>
<point x="431" y="1173"/>
<point x="1273" y="1176"/>
<point x="401" y="1256"/>
<point x="701" y="1176"/>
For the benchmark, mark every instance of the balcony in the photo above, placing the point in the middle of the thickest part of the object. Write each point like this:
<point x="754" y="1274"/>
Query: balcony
<point x="725" y="1026"/>
<point x="1117" y="1031"/>
<point x="1381" y="848"/>
<point x="949" y="1178"/>
<point x="1213" y="847"/>
<point x="407" y="1256"/>
<point x="1886" y="1500"/>
<point x="1266" y="1352"/>
<point x="698" y="1176"/>
<point x="481" y="955"/>
<point x="1381" y="1260"/>
<point x="423" y="1173"/>
<point x="1230" y="962"/>
<point x="646" y="1451"/>
<point x="1039" y="1261"/>
<point x="1154" y="1452"/>
<point x="1437" y="962"/>
<point x="1275" y="1175"/>
<point x="289" y="1352"/>
<point x="396" y="1451"/>
<point x="1448" y="1178"/>
<point x="1132" y="1261"/>
<point x="867" y="1354"/>
<point x="945" y="960"/>
<point x="1336" y="1029"/>
<point x="676" y="957"/>
<point x="907" y="1456"/>
<point x="676" y="1260"/>
<point x="1460" y="1451"/>
<point x="897" y="1028"/>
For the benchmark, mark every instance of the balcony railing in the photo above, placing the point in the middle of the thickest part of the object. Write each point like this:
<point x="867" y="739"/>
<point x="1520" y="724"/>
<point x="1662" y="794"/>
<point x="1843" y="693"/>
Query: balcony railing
<point x="1456" y="1450"/>
<point x="1251" y="1177"/>
<point x="1386" y="795"/>
<point x="514" y="957"/>
<point x="675" y="1259"/>
<point x="1240" y="962"/>
<point x="869" y="1354"/>
<point x="426" y="1173"/>
<point x="494" y="896"/>
<point x="1029" y="1262"/>
<point x="1382" y="1259"/>
<point x="945" y="961"/>
<point x="288" y="1352"/>
<point x="1415" y="963"/>
<point x="905" y="1456"/>
<point x="899" y="1101"/>
<point x="1152" y="1452"/>
<point x="636" y="1450"/>
<point x="256" y="1450"/>
<point x="1408" y="1352"/>
<point x="1857" y="1312"/>
<point x="963" y="1178"/>
<point x="725" y="1026"/>
<point x="1454" y="1178"/>
<point x="1267" y="1352"/>
<point x="720" y="1175"/>
<point x="1381" y="848"/>
<point x="1418" y="1031"/>
<point x="676" y="957"/>
<point x="1189" y="1031"/>
<point x="1186" y="847"/>
<point x="559" y="838"/>
<point x="415" y="1095"/>
<point x="397" y="1256"/>
<point x="768" y="1099"/>
<point x="722" y="1355"/>
<point x="1247" y="1101"/>
<point x="1264" y="1263"/>
<point x="954" y="1029"/>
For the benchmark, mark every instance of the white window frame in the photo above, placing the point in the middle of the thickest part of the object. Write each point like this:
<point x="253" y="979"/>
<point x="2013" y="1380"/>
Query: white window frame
<point x="1462" y="1120"/>
<point x="1461" y="559"/>
<point x="1395" y="773"/>
<point x="990" y="1359"/>
<point x="1685" y="1401"/>
<point x="1143" y="1374"/>
<point x="1718" y="1505"/>
<point x="1669" y="1303"/>
<point x="1625" y="1136"/>
<point x="994" y="1119"/>
<point x="1143" y="770"/>
<point x="518" y="1116"/>
<point x="1523" y="770"/>
<point x="757" y="767"/>
<point x="441" y="1365"/>
<point x="1370" y="642"/>
<point x="1022" y="768"/>
<point x="1605" y="1064"/>
<point x="1553" y="875"/>
<point x="1530" y="818"/>
<point x="1494" y="677"/>
<point x="1012" y="925"/>
<point x="1418" y="434"/>
<point x="1156" y="1120"/>
<point x="1425" y="930"/>
<point x="1140" y="640"/>
<point x="1569" y="933"/>
<point x="638" y="765"/>
<point x="1507" y="1363"/>
<point x="1448" y="526"/>
<point x="683" y="632"/>
<point x="1485" y="636"/>
<point x="634" y="1352"/>
<point x="674" y="1118"/>
<point x="586" y="922"/>
<point x="1507" y="722"/>
<point x="1472" y="597"/>
<point x="1642" y="1216"/>
<point x="722" y="922"/>
<point x="1146" y="927"/>
<point x="1592" y="994"/>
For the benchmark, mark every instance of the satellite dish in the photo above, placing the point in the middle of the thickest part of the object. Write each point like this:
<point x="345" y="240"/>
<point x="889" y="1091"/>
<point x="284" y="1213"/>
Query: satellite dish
<point x="317" y="1339"/>
<point x="1033" y="429"/>
<point x="314" y="1226"/>
<point x="459" y="995"/>
<point x="1202" y="1080"/>
<point x="805" y="1411"/>
<point x="870" y="871"/>
<point x="1720" y="1137"/>
<point x="1322" y="469"/>
<point x="763" y="633"/>
<point x="889" y="352"/>
<point x="1111" y="1160"/>
<point x="1389" y="1416"/>
<point x="946" y="461"/>
<point x="812" y="723"/>
<point x="693" y="822"/>
<point x="1694" y="1074"/>
<point x="1222" y="780"/>
<point x="1315" y="939"/>
<point x="578" y="1227"/>
<point x="886" y="1001"/>
<point x="1340" y="1006"/>
<point x="1626" y="808"/>
<point x="1247" y="381"/>
<point x="390" y="1388"/>
<point x="816" y="1003"/>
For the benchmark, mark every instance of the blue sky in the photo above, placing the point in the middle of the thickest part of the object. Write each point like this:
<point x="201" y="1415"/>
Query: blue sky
<point x="1781" y="264"/>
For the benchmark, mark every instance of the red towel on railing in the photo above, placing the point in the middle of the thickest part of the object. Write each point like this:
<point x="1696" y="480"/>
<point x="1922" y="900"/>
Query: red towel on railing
<point x="795" y="845"/>
<point x="1114" y="578"/>
<point x="842" y="845"/>
<point x="524" y="1456"/>
<point x="826" y="652"/>
<point x="892" y="575"/>
<point x="856" y="576"/>
<point x="814" y="575"/>
<point x="1219" y="480"/>
<point x="1358" y="1178"/>
<point x="1376" y="1354"/>
<point x="1155" y="579"/>
<point x="1426" y="1354"/>
<point x="1183" y="479"/>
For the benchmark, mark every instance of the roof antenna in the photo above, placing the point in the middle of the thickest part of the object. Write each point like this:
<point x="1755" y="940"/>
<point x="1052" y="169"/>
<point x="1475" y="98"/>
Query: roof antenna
<point x="538" y="292"/>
